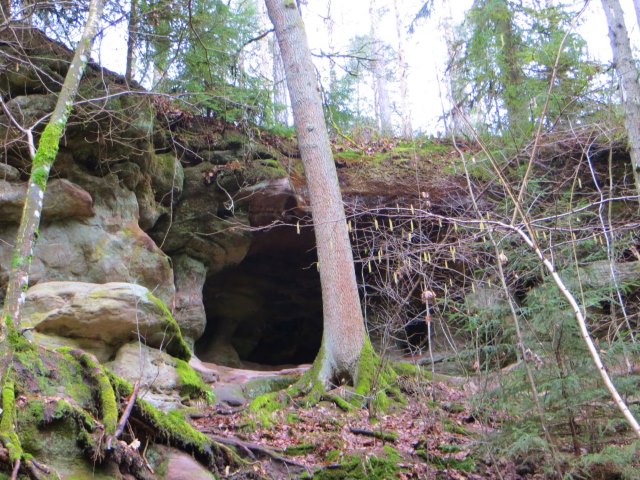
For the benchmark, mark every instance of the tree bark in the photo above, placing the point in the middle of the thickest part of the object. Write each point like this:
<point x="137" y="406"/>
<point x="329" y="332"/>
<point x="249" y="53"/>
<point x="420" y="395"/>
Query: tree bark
<point x="628" y="73"/>
<point x="43" y="159"/>
<point x="344" y="333"/>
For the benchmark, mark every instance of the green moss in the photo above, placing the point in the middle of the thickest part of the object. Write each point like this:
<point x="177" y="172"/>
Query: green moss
<point x="431" y="147"/>
<point x="340" y="402"/>
<point x="8" y="434"/>
<point x="177" y="346"/>
<point x="17" y="261"/>
<point x="376" y="381"/>
<point x="452" y="427"/>
<point x="309" y="384"/>
<point x="259" y="386"/>
<point x="17" y="341"/>
<point x="348" y="155"/>
<point x="447" y="448"/>
<point x="355" y="467"/>
<point x="448" y="462"/>
<point x="301" y="449"/>
<point x="263" y="407"/>
<point x="70" y="374"/>
<point x="106" y="395"/>
<point x="46" y="154"/>
<point x="172" y="426"/>
<point x="191" y="383"/>
<point x="410" y="370"/>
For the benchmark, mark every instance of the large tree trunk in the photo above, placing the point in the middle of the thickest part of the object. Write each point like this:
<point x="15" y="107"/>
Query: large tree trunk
<point x="43" y="159"/>
<point x="344" y="334"/>
<point x="628" y="73"/>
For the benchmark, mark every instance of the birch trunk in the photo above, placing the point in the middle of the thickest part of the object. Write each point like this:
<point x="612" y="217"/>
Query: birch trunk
<point x="628" y="74"/>
<point x="43" y="159"/>
<point x="344" y="334"/>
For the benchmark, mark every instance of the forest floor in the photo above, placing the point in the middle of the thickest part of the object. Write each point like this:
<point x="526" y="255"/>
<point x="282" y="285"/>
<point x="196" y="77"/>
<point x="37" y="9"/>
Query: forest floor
<point x="434" y="436"/>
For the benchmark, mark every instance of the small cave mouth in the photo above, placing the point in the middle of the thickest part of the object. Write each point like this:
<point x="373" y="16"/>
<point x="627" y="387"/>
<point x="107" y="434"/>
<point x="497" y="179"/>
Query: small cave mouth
<point x="266" y="311"/>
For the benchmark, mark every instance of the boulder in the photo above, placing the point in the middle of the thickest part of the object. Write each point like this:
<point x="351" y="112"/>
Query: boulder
<point x="62" y="199"/>
<point x="9" y="173"/>
<point x="154" y="369"/>
<point x="112" y="313"/>
<point x="172" y="464"/>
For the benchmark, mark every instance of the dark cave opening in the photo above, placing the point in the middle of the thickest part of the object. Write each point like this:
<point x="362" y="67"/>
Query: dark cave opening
<point x="268" y="309"/>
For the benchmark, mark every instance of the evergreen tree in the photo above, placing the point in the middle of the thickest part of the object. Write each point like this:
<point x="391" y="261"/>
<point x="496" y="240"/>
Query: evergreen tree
<point x="509" y="51"/>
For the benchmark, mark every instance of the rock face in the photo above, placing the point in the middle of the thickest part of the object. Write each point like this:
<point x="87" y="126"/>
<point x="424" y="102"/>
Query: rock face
<point x="86" y="237"/>
<point x="190" y="276"/>
<point x="112" y="313"/>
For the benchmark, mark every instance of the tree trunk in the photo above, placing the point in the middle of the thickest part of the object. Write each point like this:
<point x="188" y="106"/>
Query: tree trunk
<point x="383" y="105"/>
<point x="131" y="41"/>
<point x="628" y="73"/>
<point x="403" y="70"/>
<point x="43" y="159"/>
<point x="344" y="334"/>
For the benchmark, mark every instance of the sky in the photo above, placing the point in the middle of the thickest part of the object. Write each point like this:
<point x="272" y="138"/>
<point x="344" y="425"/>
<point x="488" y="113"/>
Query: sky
<point x="425" y="48"/>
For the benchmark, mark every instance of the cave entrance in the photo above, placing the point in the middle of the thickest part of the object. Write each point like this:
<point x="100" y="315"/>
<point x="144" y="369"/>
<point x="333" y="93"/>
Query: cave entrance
<point x="268" y="309"/>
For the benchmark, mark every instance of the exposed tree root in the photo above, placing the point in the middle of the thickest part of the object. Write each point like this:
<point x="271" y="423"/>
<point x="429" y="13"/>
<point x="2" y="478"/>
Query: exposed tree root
<point x="253" y="449"/>
<point x="384" y="436"/>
